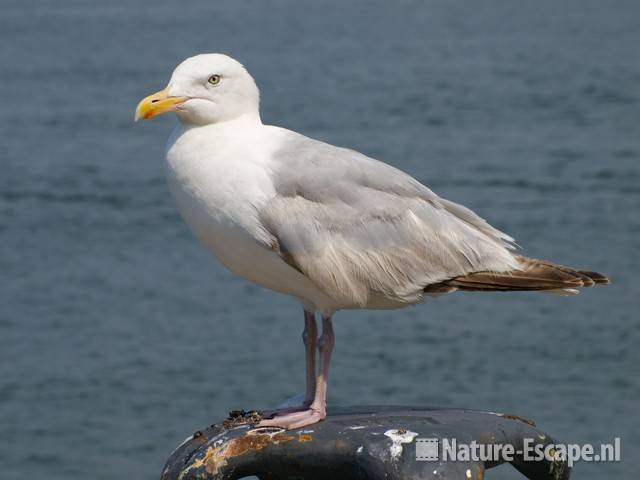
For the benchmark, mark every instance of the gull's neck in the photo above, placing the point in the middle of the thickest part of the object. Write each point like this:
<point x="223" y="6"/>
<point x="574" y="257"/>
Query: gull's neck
<point x="248" y="119"/>
<point x="235" y="130"/>
<point x="243" y="120"/>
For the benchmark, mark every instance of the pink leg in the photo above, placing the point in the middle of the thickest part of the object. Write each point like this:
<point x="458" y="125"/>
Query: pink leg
<point x="309" y="338"/>
<point x="318" y="409"/>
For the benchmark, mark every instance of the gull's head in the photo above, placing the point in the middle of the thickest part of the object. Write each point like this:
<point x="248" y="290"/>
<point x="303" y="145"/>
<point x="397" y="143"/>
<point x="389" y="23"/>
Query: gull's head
<point x="204" y="89"/>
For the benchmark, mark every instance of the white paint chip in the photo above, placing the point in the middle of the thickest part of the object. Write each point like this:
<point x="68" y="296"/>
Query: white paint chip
<point x="398" y="437"/>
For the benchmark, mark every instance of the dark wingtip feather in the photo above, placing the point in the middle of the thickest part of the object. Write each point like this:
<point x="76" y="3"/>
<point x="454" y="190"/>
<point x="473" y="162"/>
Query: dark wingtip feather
<point x="596" y="277"/>
<point x="535" y="275"/>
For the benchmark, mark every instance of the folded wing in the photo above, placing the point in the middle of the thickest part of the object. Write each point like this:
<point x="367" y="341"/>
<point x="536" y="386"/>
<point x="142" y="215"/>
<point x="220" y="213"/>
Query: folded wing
<point x="362" y="230"/>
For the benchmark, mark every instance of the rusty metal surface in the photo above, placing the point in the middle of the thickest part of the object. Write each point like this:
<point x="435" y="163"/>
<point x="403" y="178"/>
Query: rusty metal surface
<point x="355" y="443"/>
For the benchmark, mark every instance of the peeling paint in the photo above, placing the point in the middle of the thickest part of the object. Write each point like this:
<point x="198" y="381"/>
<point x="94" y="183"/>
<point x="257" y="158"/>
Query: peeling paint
<point x="510" y="416"/>
<point x="398" y="437"/>
<point x="216" y="456"/>
<point x="270" y="431"/>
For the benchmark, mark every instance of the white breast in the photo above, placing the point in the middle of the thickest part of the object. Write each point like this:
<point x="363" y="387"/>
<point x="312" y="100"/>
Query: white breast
<point x="219" y="182"/>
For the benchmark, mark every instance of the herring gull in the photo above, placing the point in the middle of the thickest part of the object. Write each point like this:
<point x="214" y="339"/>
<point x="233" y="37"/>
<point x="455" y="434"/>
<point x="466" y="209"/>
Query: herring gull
<point x="328" y="225"/>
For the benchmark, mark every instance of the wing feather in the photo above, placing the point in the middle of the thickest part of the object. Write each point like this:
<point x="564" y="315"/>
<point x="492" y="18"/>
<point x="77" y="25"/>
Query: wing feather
<point x="362" y="230"/>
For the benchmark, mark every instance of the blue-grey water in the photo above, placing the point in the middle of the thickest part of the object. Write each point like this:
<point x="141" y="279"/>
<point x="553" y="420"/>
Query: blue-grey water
<point x="120" y="335"/>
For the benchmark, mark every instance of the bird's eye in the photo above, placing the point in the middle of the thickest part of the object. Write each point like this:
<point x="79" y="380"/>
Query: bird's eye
<point x="214" y="79"/>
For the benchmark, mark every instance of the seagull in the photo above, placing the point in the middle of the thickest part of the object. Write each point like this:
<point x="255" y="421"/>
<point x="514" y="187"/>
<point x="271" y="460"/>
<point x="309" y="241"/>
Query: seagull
<point x="324" y="224"/>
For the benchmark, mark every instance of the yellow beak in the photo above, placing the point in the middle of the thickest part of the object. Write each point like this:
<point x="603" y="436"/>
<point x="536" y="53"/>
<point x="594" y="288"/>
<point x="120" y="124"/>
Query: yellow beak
<point x="156" y="104"/>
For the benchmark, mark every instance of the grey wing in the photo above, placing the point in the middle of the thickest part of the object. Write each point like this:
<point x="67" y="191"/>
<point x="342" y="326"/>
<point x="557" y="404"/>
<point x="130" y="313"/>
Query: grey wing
<point x="362" y="230"/>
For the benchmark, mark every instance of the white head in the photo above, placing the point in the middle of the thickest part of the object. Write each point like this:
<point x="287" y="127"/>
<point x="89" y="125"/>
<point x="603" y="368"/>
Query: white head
<point x="204" y="89"/>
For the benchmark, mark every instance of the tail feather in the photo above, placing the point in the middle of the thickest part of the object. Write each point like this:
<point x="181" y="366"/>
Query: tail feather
<point x="533" y="275"/>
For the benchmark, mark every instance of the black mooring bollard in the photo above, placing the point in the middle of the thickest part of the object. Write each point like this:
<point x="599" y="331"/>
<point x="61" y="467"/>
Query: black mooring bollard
<point x="357" y="443"/>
